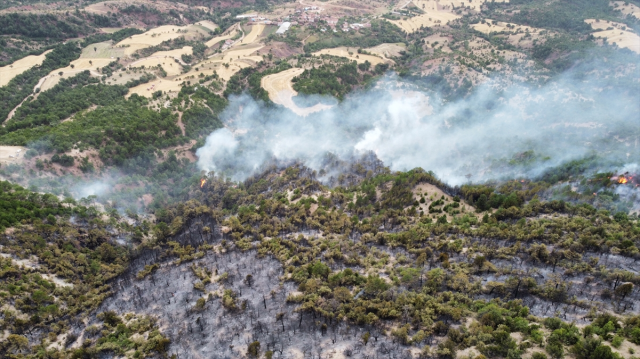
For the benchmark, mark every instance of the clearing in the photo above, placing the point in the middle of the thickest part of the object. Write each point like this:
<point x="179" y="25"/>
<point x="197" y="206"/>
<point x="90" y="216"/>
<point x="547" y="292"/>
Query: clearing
<point x="102" y="50"/>
<point x="352" y="54"/>
<point x="388" y="50"/>
<point x="12" y="154"/>
<point x="167" y="59"/>
<point x="208" y="24"/>
<point x="616" y="33"/>
<point x="73" y="69"/>
<point x="281" y="91"/>
<point x="435" y="15"/>
<point x="497" y="26"/>
<point x="160" y="34"/>
<point x="250" y="38"/>
<point x="626" y="8"/>
<point x="7" y="73"/>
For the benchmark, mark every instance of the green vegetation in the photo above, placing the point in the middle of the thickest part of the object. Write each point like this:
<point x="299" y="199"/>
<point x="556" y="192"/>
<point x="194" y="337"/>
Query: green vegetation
<point x="380" y="32"/>
<point x="23" y="85"/>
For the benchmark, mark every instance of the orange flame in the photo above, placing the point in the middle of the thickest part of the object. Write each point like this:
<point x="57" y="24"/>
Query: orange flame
<point x="622" y="180"/>
<point x="202" y="182"/>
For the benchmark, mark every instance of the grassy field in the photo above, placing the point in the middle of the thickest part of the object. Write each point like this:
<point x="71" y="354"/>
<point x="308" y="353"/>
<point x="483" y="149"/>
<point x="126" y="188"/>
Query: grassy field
<point x="387" y="50"/>
<point x="10" y="71"/>
<point x="281" y="91"/>
<point x="613" y="32"/>
<point x="352" y="54"/>
<point x="102" y="50"/>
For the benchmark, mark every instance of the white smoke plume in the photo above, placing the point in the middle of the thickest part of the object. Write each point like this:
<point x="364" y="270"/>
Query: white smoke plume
<point x="515" y="131"/>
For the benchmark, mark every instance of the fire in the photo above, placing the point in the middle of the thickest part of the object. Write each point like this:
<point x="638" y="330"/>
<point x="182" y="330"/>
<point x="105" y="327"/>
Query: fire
<point x="202" y="182"/>
<point x="622" y="180"/>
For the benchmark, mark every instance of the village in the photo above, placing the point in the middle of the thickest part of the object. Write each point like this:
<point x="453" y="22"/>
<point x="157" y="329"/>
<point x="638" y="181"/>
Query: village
<point x="307" y="15"/>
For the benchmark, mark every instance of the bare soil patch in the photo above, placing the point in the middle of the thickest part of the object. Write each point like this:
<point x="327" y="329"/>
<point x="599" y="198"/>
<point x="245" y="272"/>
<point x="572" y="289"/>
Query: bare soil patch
<point x="12" y="154"/>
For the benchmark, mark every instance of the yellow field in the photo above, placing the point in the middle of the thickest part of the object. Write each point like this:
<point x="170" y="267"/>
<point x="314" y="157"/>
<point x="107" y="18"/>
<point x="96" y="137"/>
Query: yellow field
<point x="79" y="65"/>
<point x="430" y="19"/>
<point x="238" y="51"/>
<point x="217" y="39"/>
<point x="10" y="71"/>
<point x="622" y="38"/>
<point x="12" y="154"/>
<point x="208" y="24"/>
<point x="102" y="50"/>
<point x="498" y="26"/>
<point x="352" y="54"/>
<point x="166" y="59"/>
<point x="388" y="50"/>
<point x="436" y="5"/>
<point x="158" y="35"/>
<point x="628" y="9"/>
<point x="110" y="30"/>
<point x="207" y="67"/>
<point x="281" y="91"/>
<point x="250" y="38"/>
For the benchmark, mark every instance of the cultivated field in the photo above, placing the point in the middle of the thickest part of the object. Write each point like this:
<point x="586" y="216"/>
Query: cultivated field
<point x="430" y="19"/>
<point x="112" y="6"/>
<point x="614" y="34"/>
<point x="388" y="50"/>
<point x="10" y="71"/>
<point x="158" y="35"/>
<point x="281" y="91"/>
<point x="79" y="65"/>
<point x="352" y="54"/>
<point x="217" y="39"/>
<point x="498" y="26"/>
<point x="626" y="8"/>
<point x="207" y="24"/>
<point x="166" y="59"/>
<point x="252" y="36"/>
<point x="102" y="50"/>
<point x="12" y="154"/>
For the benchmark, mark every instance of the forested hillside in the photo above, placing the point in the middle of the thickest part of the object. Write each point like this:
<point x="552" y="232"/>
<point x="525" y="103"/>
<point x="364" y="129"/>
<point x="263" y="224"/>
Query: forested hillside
<point x="319" y="179"/>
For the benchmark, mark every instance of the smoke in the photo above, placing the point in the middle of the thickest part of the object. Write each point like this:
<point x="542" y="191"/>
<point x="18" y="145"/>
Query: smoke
<point x="493" y="133"/>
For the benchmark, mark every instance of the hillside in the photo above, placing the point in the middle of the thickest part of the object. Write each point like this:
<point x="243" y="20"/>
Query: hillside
<point x="319" y="179"/>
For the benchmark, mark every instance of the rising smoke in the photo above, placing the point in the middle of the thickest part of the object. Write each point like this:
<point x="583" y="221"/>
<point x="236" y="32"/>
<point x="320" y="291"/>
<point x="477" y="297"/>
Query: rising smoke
<point x="493" y="133"/>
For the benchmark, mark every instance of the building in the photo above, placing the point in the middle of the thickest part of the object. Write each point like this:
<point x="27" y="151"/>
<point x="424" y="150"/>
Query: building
<point x="283" y="28"/>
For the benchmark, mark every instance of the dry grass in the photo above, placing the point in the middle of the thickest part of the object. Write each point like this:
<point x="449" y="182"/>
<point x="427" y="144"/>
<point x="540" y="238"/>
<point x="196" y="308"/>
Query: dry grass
<point x="281" y="91"/>
<point x="102" y="50"/>
<point x="217" y="39"/>
<point x="7" y="73"/>
<point x="614" y="34"/>
<point x="436" y="14"/>
<point x="498" y="26"/>
<point x="388" y="50"/>
<point x="166" y="59"/>
<point x="250" y="38"/>
<point x="110" y="30"/>
<point x="159" y="34"/>
<point x="10" y="154"/>
<point x="238" y="51"/>
<point x="79" y="65"/>
<point x="628" y="9"/>
<point x="208" y="24"/>
<point x="352" y="54"/>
